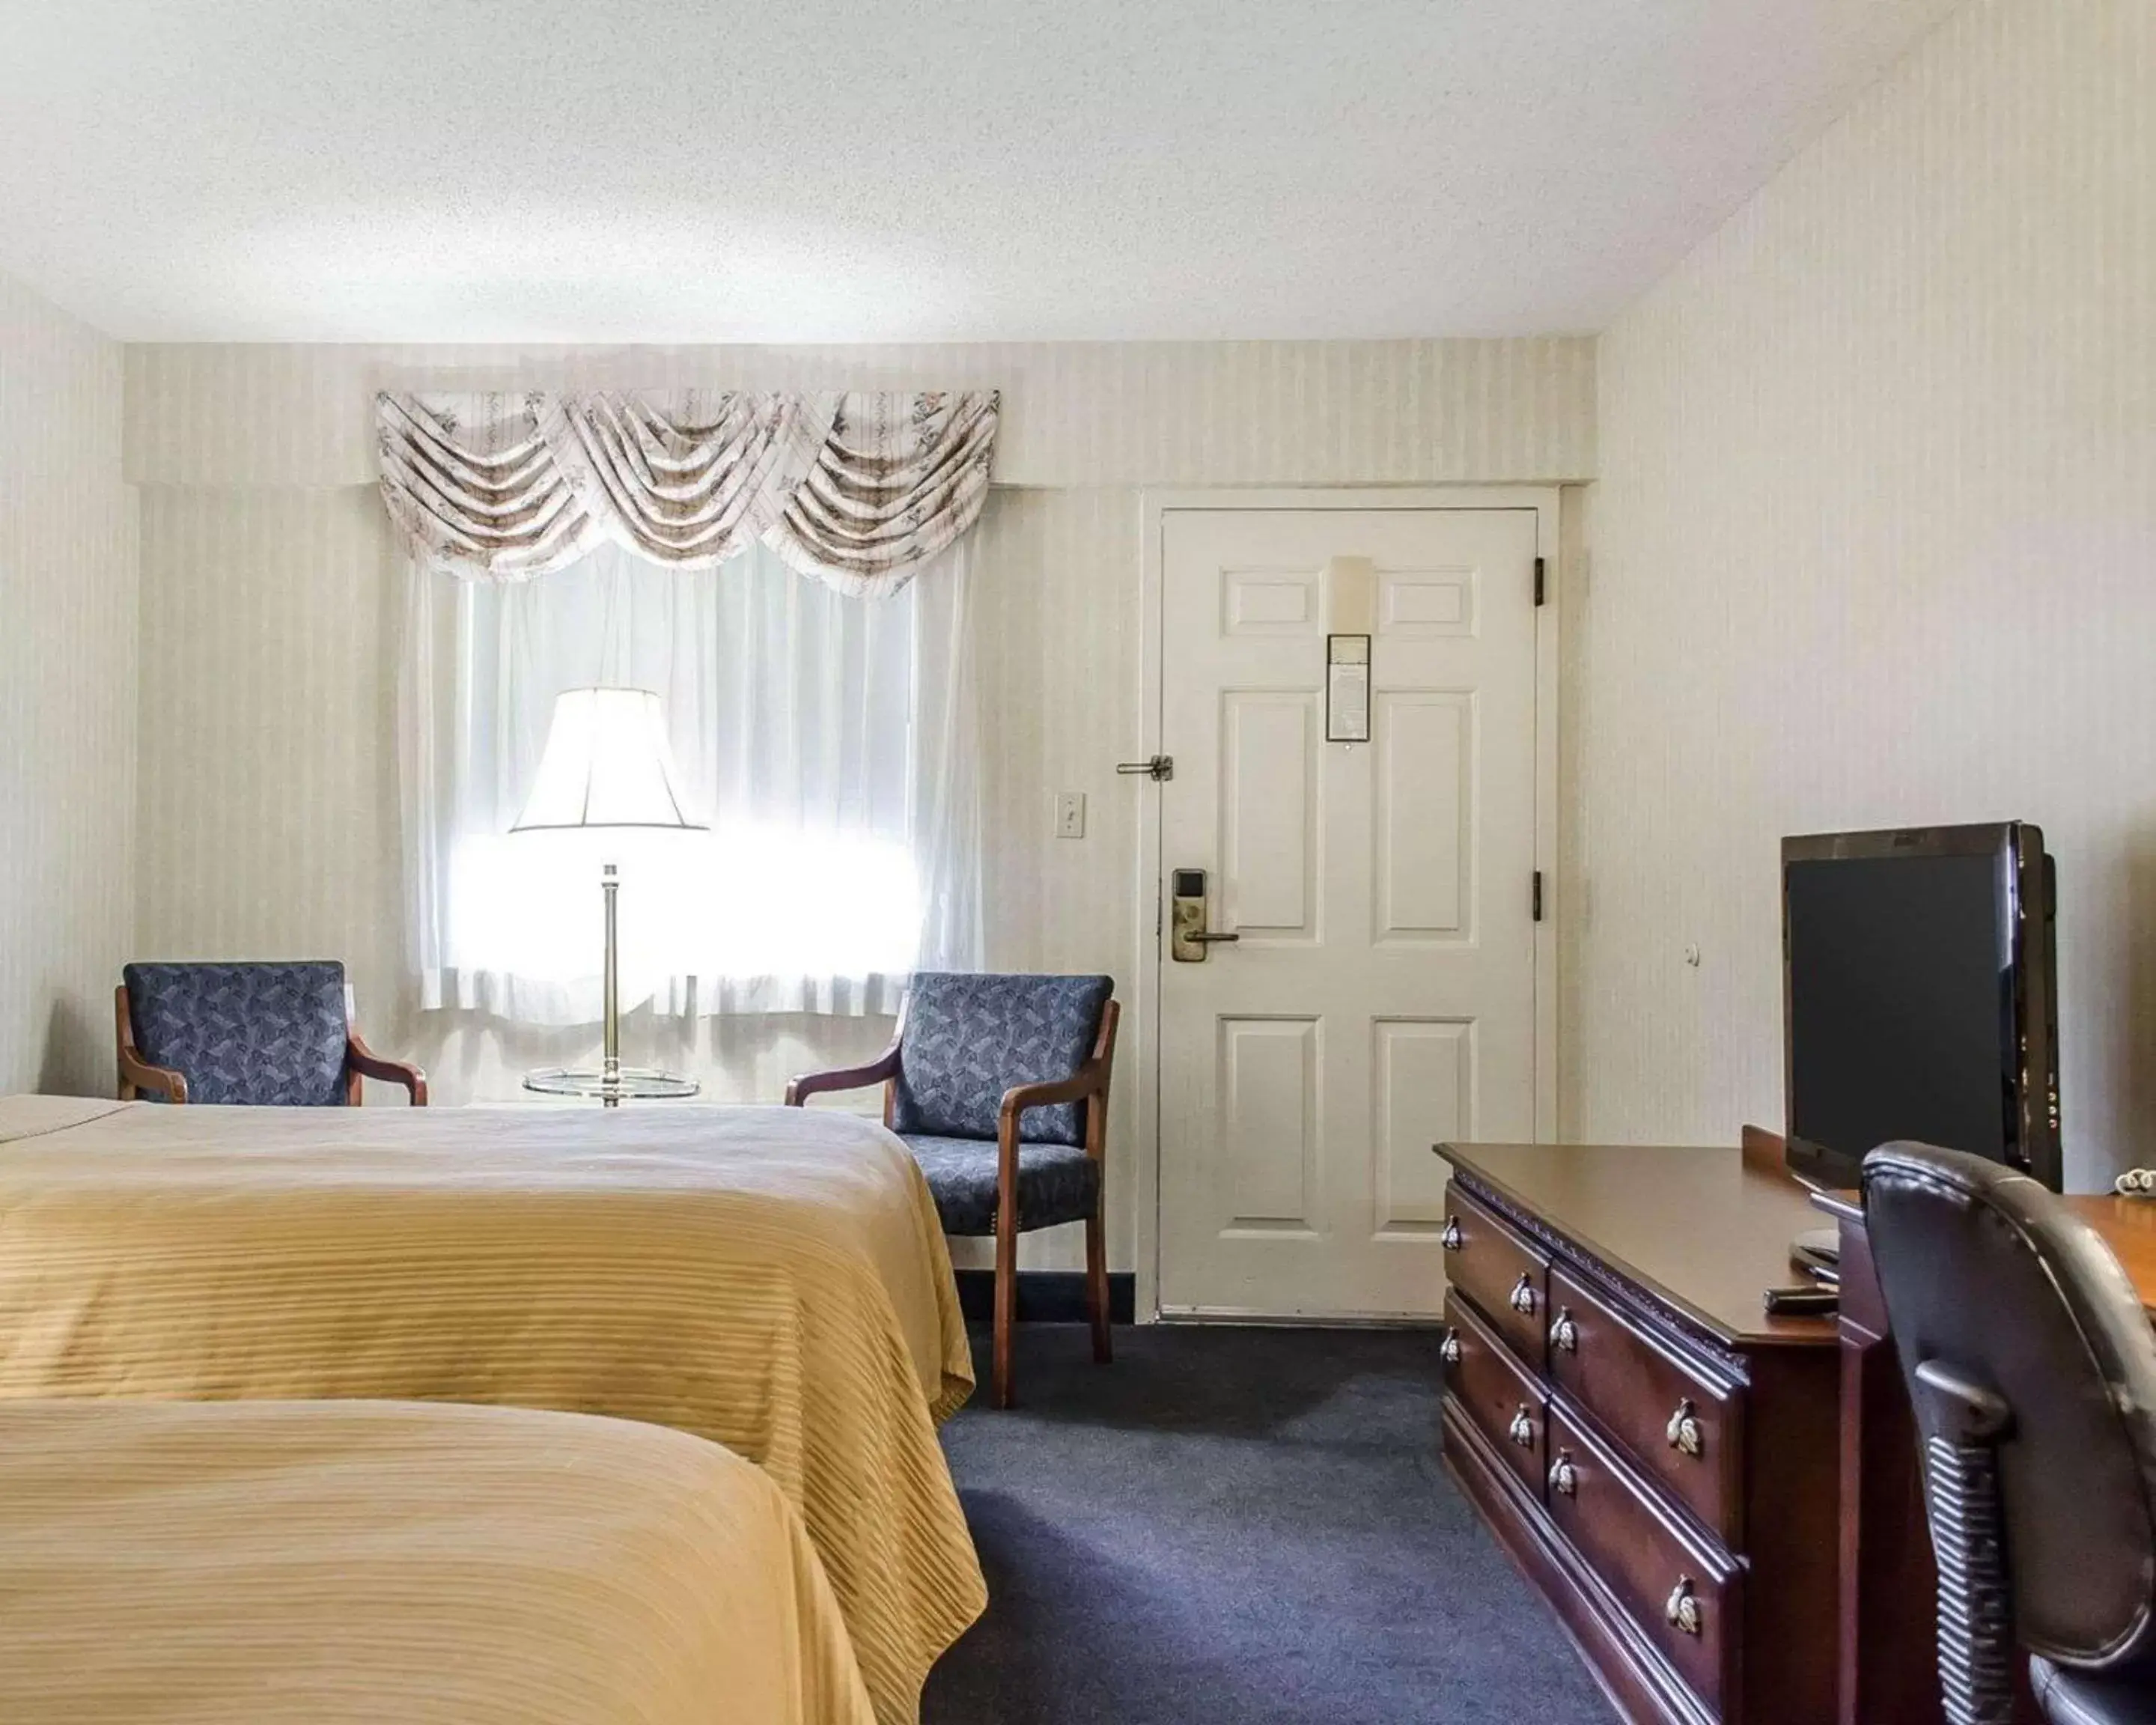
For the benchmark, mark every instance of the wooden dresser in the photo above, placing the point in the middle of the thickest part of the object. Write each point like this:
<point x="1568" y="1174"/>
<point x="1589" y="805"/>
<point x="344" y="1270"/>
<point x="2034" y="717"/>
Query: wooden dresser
<point x="1659" y="1455"/>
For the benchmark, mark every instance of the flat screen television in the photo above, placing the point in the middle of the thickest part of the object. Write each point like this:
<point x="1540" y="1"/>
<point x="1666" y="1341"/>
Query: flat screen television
<point x="1919" y="992"/>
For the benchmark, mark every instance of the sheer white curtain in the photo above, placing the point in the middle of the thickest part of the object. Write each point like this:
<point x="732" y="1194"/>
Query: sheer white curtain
<point x="828" y="739"/>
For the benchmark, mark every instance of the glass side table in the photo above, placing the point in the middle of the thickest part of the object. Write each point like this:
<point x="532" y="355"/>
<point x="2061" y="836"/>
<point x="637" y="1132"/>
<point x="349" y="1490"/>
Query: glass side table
<point x="635" y="1083"/>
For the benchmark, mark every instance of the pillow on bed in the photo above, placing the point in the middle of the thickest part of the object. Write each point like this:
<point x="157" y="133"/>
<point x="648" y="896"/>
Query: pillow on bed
<point x="968" y="1039"/>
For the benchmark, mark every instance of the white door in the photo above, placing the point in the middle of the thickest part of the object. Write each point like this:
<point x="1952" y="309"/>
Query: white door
<point x="1379" y="993"/>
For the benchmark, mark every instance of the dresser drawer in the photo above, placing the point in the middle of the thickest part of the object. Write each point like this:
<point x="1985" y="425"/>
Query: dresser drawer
<point x="1680" y="1428"/>
<point x="1507" y="1405"/>
<point x="1505" y="1276"/>
<point x="1686" y="1597"/>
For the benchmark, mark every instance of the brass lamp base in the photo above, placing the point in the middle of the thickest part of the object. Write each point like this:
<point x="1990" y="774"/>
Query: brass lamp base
<point x="611" y="1082"/>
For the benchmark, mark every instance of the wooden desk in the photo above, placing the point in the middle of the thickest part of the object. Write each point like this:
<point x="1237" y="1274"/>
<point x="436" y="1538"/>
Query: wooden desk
<point x="1889" y="1584"/>
<point x="1798" y="1517"/>
<point x="1657" y="1453"/>
<point x="2128" y="1227"/>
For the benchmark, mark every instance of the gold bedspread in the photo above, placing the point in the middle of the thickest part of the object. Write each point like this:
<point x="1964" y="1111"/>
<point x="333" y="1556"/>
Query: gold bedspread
<point x="771" y="1278"/>
<point x="306" y="1563"/>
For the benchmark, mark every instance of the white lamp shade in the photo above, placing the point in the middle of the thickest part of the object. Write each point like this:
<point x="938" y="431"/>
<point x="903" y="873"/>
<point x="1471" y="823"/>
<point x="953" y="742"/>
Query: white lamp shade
<point x="607" y="764"/>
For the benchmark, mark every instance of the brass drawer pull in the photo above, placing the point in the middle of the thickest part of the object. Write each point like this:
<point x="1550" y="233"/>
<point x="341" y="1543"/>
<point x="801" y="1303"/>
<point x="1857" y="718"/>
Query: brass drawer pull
<point x="1683" y="1609"/>
<point x="1523" y="1295"/>
<point x="1449" y="1350"/>
<point x="1563" y="1476"/>
<point x="1450" y="1239"/>
<point x="1521" y="1431"/>
<point x="1564" y="1334"/>
<point x="1687" y="1435"/>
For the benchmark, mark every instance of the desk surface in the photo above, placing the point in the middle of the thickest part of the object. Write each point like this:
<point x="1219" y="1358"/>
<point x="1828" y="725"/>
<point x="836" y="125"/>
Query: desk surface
<point x="2128" y="1225"/>
<point x="1706" y="1230"/>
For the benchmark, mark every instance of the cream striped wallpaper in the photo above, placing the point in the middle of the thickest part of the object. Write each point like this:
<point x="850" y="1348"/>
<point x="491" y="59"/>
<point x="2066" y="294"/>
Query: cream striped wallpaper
<point x="1876" y="544"/>
<point x="1074" y="413"/>
<point x="67" y="697"/>
<point x="270" y="589"/>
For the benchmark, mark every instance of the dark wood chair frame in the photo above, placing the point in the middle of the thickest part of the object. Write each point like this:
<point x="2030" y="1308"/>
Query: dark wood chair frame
<point x="1088" y="1085"/>
<point x="138" y="1077"/>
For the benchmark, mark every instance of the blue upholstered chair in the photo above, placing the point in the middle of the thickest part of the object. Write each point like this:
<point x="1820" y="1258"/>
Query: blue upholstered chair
<point x="999" y="1085"/>
<point x="264" y="1034"/>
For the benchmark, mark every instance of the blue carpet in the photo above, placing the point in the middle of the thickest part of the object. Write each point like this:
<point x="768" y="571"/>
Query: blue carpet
<point x="1237" y="1525"/>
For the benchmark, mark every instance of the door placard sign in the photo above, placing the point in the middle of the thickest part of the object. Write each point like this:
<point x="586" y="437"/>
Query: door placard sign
<point x="1346" y="688"/>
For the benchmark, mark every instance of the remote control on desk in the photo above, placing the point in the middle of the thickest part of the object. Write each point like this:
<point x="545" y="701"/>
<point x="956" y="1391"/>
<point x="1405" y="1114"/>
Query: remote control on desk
<point x="1803" y="1302"/>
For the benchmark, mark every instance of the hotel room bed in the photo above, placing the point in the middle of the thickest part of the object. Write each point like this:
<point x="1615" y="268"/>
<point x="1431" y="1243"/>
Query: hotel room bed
<point x="772" y="1279"/>
<point x="348" y="1563"/>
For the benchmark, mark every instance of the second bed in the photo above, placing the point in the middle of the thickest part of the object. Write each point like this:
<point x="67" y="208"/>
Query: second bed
<point x="359" y="1563"/>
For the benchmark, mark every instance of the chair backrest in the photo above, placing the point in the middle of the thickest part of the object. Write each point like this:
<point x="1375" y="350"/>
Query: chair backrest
<point x="267" y="1034"/>
<point x="967" y="1039"/>
<point x="2031" y="1363"/>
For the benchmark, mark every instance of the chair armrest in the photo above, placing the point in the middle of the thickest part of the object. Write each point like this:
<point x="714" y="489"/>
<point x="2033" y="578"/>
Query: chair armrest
<point x="1090" y="1079"/>
<point x="879" y="1070"/>
<point x="359" y="1058"/>
<point x="138" y="1077"/>
<point x="137" y="1074"/>
<point x="1088" y="1084"/>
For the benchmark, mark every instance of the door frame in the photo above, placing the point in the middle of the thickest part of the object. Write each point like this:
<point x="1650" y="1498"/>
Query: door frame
<point x="1154" y="506"/>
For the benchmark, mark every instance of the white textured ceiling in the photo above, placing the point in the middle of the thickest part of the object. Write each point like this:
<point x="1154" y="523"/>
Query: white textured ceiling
<point x="799" y="170"/>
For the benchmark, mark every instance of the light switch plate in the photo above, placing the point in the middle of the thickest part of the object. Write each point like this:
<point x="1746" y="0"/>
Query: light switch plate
<point x="1070" y="814"/>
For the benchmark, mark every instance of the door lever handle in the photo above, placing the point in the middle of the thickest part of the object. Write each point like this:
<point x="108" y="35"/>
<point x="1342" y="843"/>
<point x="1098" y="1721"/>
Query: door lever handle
<point x="1188" y="935"/>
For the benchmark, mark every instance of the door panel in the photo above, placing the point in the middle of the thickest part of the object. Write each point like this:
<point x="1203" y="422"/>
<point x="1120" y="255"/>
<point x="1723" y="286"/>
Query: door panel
<point x="1268" y="837"/>
<point x="1424" y="1077"/>
<point x="1268" y="602"/>
<point x="1425" y="603"/>
<point x="1269" y="1086"/>
<point x="1380" y="995"/>
<point x="1425" y="796"/>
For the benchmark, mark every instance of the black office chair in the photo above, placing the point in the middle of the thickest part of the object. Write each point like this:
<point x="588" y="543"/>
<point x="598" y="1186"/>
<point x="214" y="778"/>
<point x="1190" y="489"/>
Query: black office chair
<point x="2032" y="1369"/>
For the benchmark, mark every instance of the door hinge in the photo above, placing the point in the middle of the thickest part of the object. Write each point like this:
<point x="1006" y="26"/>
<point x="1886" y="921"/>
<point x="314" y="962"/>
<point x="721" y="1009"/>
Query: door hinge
<point x="1541" y="568"/>
<point x="1154" y="767"/>
<point x="1538" y="896"/>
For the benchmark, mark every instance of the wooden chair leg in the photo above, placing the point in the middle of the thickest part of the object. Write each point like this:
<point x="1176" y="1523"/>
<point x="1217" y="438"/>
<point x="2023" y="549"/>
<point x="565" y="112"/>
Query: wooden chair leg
<point x="1096" y="1287"/>
<point x="1006" y="1302"/>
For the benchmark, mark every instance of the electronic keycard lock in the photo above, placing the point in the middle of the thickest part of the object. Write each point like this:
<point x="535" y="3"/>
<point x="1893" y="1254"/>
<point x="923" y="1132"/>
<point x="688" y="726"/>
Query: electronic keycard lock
<point x="1188" y="935"/>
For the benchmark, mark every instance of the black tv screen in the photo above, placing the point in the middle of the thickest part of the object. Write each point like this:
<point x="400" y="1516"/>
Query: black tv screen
<point x="1918" y="995"/>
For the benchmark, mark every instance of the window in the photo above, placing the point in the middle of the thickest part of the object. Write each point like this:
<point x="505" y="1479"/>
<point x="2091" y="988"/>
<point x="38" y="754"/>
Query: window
<point x="826" y="738"/>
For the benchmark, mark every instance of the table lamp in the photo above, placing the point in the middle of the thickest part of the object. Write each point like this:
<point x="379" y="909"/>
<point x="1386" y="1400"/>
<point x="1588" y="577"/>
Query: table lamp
<point x="607" y="765"/>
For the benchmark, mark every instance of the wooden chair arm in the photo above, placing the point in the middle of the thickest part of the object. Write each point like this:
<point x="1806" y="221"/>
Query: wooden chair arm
<point x="137" y="1076"/>
<point x="359" y="1058"/>
<point x="1088" y="1084"/>
<point x="1090" y="1079"/>
<point x="879" y="1070"/>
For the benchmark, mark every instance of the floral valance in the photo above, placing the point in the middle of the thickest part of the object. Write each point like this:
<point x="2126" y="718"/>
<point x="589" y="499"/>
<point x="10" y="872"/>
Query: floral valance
<point x="858" y="490"/>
